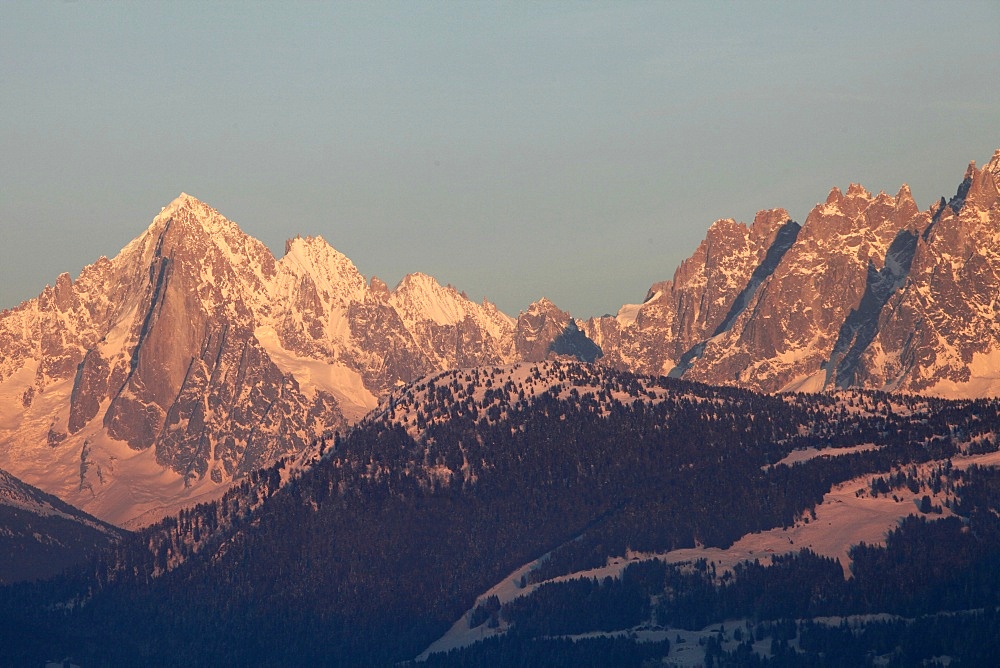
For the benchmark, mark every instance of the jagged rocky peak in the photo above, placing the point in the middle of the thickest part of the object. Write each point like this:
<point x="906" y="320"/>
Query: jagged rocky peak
<point x="728" y="244"/>
<point x="155" y="349"/>
<point x="543" y="307"/>
<point x="887" y="215"/>
<point x="221" y="265"/>
<point x="298" y="241"/>
<point x="537" y="327"/>
<point x="839" y="207"/>
<point x="420" y="285"/>
<point x="878" y="294"/>
<point x="312" y="251"/>
<point x="860" y="221"/>
<point x="63" y="292"/>
<point x="707" y="292"/>
<point x="818" y="283"/>
<point x="544" y="331"/>
<point x="904" y="197"/>
<point x="315" y="274"/>
<point x="378" y="287"/>
<point x="849" y="204"/>
<point x="984" y="189"/>
<point x="993" y="166"/>
<point x="190" y="212"/>
<point x="835" y="197"/>
<point x="940" y="334"/>
<point x="990" y="169"/>
<point x="905" y="207"/>
<point x="707" y="284"/>
<point x="201" y="289"/>
<point x="419" y="298"/>
<point x="766" y="224"/>
<point x="962" y="228"/>
<point x="183" y="201"/>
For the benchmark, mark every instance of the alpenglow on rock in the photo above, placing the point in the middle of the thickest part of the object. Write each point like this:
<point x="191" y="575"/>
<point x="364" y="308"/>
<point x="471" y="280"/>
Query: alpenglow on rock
<point x="195" y="356"/>
<point x="870" y="292"/>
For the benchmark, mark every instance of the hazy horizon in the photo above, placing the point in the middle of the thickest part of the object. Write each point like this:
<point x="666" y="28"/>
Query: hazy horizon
<point x="577" y="151"/>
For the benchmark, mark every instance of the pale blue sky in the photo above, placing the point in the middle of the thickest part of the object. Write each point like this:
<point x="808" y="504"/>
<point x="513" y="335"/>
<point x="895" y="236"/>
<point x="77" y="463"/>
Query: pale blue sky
<point x="577" y="151"/>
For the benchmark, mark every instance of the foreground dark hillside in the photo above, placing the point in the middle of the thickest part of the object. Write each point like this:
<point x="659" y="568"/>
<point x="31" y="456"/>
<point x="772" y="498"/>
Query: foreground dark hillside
<point x="369" y="554"/>
<point x="40" y="535"/>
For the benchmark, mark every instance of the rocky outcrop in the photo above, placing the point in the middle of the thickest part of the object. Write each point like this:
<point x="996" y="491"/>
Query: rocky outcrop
<point x="707" y="292"/>
<point x="788" y="330"/>
<point x="869" y="293"/>
<point x="941" y="332"/>
<point x="195" y="356"/>
<point x="545" y="332"/>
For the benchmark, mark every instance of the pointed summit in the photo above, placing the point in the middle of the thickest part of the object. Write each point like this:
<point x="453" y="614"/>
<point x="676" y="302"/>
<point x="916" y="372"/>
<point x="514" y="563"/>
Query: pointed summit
<point x="984" y="190"/>
<point x="314" y="255"/>
<point x="904" y="194"/>
<point x="192" y="213"/>
<point x="767" y="224"/>
<point x="541" y="305"/>
<point x="545" y="331"/>
<point x="905" y="207"/>
<point x="180" y="203"/>
<point x="994" y="165"/>
<point x="858" y="190"/>
<point x="419" y="297"/>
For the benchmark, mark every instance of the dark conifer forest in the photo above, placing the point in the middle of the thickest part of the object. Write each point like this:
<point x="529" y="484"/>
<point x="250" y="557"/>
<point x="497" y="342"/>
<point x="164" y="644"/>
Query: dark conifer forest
<point x="370" y="551"/>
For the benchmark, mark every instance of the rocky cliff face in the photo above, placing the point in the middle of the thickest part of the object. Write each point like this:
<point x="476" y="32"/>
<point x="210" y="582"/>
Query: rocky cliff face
<point x="708" y="292"/>
<point x="940" y="333"/>
<point x="786" y="333"/>
<point x="870" y="292"/>
<point x="195" y="356"/>
<point x="545" y="332"/>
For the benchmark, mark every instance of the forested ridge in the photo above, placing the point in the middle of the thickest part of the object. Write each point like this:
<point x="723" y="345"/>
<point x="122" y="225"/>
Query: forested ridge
<point x="369" y="552"/>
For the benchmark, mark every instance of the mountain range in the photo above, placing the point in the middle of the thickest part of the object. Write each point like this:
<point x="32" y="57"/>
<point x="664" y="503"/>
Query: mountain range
<point x="159" y="377"/>
<point x="869" y="292"/>
<point x="785" y="455"/>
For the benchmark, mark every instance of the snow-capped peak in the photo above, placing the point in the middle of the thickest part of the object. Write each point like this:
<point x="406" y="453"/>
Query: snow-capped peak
<point x="188" y="210"/>
<point x="420" y="297"/>
<point x="316" y="255"/>
<point x="182" y="202"/>
<point x="541" y="305"/>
